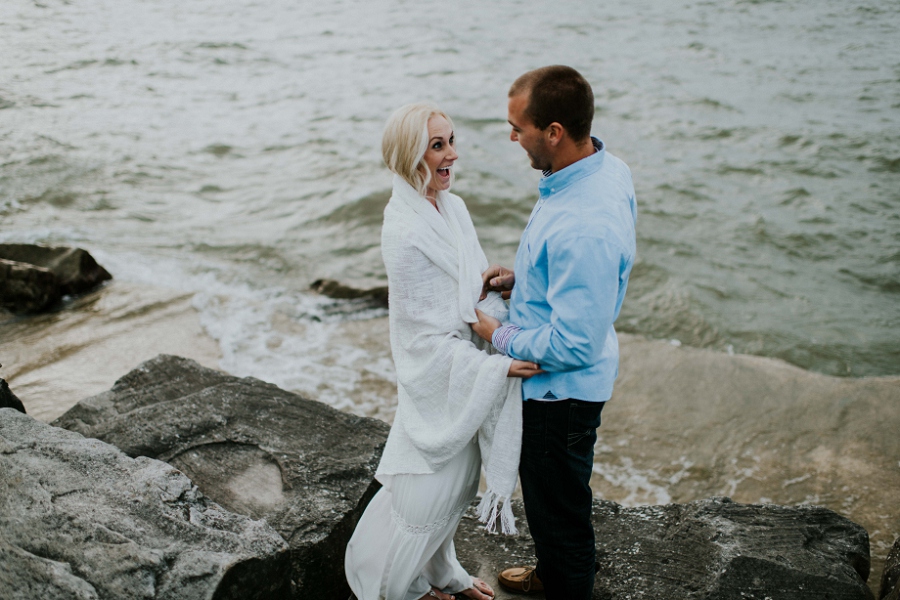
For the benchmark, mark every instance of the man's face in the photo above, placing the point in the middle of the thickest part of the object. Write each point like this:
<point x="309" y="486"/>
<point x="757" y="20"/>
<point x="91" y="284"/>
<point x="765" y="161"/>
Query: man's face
<point x="524" y="131"/>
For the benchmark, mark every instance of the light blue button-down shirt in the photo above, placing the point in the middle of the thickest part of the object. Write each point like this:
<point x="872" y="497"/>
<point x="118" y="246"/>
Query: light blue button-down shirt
<point x="572" y="269"/>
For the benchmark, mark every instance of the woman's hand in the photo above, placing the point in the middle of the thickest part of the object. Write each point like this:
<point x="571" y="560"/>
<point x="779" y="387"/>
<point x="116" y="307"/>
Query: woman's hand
<point x="485" y="326"/>
<point x="479" y="590"/>
<point x="524" y="369"/>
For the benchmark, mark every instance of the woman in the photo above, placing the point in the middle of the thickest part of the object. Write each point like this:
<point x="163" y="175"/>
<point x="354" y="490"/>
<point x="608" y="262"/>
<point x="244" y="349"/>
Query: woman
<point x="459" y="405"/>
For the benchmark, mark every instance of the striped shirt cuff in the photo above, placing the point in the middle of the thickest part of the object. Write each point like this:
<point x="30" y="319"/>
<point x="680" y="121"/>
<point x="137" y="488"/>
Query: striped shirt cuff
<point x="502" y="336"/>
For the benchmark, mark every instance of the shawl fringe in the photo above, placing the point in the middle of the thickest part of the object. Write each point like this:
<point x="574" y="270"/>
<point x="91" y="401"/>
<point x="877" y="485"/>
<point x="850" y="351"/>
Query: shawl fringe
<point x="490" y="508"/>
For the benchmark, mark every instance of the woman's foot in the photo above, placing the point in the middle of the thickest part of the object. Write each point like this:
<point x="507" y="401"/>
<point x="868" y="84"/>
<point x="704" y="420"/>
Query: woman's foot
<point x="479" y="590"/>
<point x="436" y="594"/>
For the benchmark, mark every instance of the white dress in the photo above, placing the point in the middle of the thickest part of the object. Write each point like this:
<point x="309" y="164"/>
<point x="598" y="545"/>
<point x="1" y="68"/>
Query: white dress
<point x="403" y="543"/>
<point x="456" y="409"/>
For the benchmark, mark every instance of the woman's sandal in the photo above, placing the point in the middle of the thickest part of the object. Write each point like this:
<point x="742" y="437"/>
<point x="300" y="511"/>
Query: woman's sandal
<point x="437" y="594"/>
<point x="482" y="587"/>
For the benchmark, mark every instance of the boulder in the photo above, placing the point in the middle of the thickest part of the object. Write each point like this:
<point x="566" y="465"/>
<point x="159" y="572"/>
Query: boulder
<point x="81" y="520"/>
<point x="75" y="269"/>
<point x="712" y="549"/>
<point x="26" y="288"/>
<point x="8" y="399"/>
<point x="255" y="449"/>
<point x="357" y="299"/>
<point x="890" y="579"/>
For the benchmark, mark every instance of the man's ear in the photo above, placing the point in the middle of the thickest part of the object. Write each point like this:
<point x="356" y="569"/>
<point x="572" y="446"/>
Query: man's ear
<point x="555" y="133"/>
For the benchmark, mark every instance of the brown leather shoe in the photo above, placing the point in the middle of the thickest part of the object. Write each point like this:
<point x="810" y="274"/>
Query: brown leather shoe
<point x="523" y="580"/>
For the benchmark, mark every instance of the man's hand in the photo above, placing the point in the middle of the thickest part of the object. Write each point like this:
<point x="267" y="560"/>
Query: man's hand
<point x="497" y="279"/>
<point x="485" y="326"/>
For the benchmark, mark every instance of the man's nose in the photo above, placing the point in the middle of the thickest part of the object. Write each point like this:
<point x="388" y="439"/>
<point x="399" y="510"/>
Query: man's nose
<point x="512" y="136"/>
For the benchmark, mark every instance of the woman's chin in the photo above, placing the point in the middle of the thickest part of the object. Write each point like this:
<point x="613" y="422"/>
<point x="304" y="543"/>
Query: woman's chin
<point x="439" y="187"/>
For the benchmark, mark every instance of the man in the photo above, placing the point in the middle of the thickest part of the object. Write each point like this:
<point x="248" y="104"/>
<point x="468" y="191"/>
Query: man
<point x="567" y="288"/>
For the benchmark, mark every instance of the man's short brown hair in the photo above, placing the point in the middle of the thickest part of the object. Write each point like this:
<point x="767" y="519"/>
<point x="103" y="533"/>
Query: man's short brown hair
<point x="558" y="94"/>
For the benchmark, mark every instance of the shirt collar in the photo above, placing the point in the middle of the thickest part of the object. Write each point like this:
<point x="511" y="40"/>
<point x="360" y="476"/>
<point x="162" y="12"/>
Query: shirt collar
<point x="552" y="182"/>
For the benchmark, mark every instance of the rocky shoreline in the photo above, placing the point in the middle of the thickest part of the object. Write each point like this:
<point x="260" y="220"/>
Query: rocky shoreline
<point x="184" y="482"/>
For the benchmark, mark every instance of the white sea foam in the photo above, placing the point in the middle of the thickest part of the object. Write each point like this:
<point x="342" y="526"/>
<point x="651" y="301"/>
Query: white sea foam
<point x="638" y="484"/>
<point x="277" y="335"/>
<point x="634" y="486"/>
<point x="740" y="474"/>
<point x="45" y="235"/>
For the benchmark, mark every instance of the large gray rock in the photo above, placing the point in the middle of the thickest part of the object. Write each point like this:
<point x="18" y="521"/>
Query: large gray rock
<point x="75" y="269"/>
<point x="26" y="288"/>
<point x="81" y="520"/>
<point x="890" y="579"/>
<point x="711" y="549"/>
<point x="255" y="449"/>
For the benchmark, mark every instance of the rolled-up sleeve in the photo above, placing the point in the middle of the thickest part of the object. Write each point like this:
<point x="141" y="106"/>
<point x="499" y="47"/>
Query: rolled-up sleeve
<point x="501" y="336"/>
<point x="582" y="293"/>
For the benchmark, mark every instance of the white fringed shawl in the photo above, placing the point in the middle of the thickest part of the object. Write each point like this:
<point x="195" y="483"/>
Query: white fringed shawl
<point x="449" y="386"/>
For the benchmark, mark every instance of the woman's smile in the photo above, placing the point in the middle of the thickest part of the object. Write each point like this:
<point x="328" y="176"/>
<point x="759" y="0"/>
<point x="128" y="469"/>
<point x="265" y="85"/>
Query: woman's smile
<point x="440" y="155"/>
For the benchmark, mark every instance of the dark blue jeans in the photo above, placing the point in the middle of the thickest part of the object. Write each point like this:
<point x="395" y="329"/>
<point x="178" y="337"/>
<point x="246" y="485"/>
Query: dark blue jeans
<point x="555" y="470"/>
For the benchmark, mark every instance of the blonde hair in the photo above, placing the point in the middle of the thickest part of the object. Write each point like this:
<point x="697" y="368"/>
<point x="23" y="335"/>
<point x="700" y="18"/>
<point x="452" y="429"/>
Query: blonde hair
<point x="405" y="141"/>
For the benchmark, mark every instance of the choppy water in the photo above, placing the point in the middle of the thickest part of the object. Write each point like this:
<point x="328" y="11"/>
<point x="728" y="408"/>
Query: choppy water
<point x="229" y="149"/>
<point x="233" y="147"/>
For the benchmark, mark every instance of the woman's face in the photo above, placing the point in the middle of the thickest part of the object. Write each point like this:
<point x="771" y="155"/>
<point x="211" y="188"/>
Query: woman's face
<point x="441" y="154"/>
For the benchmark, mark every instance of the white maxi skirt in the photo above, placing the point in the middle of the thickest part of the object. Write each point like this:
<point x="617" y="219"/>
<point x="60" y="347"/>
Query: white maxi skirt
<point x="403" y="544"/>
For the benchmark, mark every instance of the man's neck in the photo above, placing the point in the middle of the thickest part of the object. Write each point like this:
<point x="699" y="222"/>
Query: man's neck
<point x="571" y="153"/>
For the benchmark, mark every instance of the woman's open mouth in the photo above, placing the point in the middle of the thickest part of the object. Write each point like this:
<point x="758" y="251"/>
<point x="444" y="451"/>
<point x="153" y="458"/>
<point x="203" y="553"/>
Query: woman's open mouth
<point x="444" y="173"/>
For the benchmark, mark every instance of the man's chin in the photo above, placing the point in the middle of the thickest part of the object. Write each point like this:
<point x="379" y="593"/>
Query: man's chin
<point x="536" y="163"/>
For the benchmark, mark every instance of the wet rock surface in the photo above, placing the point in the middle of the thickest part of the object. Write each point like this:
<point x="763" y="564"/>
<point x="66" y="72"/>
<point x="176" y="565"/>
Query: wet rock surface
<point x="27" y="288"/>
<point x="33" y="278"/>
<point x="354" y="299"/>
<point x="890" y="579"/>
<point x="75" y="269"/>
<point x="81" y="520"/>
<point x="8" y="399"/>
<point x="711" y="549"/>
<point x="255" y="449"/>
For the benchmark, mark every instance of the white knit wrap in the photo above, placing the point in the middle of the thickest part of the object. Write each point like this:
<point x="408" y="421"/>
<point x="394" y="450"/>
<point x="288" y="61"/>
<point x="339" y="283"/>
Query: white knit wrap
<point x="450" y="385"/>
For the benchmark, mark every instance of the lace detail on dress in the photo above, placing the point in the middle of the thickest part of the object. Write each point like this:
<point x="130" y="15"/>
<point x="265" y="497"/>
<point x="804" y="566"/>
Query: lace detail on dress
<point x="430" y="527"/>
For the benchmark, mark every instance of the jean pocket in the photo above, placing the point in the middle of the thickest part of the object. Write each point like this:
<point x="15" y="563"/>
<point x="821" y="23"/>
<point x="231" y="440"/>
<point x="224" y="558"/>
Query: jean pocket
<point x="580" y="440"/>
<point x="582" y="427"/>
